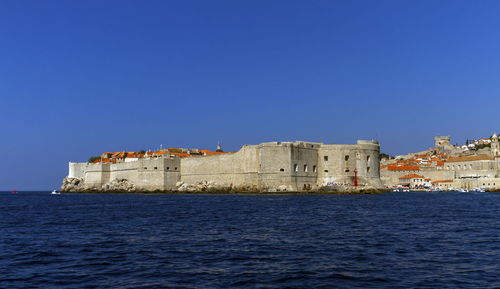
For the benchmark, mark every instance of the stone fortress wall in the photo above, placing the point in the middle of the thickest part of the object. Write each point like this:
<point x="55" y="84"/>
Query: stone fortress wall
<point x="338" y="163"/>
<point x="240" y="167"/>
<point x="290" y="166"/>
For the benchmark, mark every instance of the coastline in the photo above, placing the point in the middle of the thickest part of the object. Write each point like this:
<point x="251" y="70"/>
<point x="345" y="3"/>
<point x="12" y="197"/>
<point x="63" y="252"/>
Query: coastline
<point x="236" y="192"/>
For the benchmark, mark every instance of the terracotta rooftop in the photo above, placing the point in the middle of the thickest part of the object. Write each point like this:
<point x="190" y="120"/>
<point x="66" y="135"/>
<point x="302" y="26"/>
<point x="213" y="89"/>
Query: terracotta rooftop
<point x="403" y="168"/>
<point x="470" y="158"/>
<point x="411" y="176"/>
<point x="211" y="153"/>
<point x="442" y="181"/>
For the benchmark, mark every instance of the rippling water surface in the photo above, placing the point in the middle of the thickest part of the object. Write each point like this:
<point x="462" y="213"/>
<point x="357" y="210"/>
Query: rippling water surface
<point x="395" y="240"/>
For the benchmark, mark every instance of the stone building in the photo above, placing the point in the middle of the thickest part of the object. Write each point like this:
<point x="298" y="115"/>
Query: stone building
<point x="412" y="181"/>
<point x="290" y="166"/>
<point x="449" y="167"/>
<point x="495" y="145"/>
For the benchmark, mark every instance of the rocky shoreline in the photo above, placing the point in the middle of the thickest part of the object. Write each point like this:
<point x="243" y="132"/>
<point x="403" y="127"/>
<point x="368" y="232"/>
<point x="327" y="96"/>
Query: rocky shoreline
<point x="76" y="185"/>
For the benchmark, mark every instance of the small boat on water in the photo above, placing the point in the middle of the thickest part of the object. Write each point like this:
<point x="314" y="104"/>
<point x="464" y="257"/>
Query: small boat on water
<point x="14" y="192"/>
<point x="54" y="192"/>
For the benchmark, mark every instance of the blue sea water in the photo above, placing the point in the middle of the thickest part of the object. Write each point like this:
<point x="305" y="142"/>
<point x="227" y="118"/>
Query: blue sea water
<point x="393" y="240"/>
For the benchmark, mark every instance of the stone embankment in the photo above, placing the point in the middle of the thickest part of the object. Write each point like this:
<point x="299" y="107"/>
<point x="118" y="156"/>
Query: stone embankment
<point x="77" y="185"/>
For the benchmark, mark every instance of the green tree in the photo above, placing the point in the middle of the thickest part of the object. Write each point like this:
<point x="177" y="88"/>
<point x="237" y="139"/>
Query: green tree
<point x="482" y="146"/>
<point x="386" y="156"/>
<point x="93" y="159"/>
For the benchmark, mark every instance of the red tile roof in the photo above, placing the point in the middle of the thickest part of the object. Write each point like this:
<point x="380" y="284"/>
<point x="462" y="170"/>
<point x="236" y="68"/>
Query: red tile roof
<point x="403" y="168"/>
<point x="211" y="153"/>
<point x="442" y="181"/>
<point x="470" y="158"/>
<point x="411" y="176"/>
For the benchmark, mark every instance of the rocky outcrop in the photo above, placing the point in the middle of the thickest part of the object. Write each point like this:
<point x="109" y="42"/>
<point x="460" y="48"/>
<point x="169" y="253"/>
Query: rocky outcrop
<point x="351" y="190"/>
<point x="72" y="185"/>
<point x="210" y="186"/>
<point x="77" y="185"/>
<point x="121" y="185"/>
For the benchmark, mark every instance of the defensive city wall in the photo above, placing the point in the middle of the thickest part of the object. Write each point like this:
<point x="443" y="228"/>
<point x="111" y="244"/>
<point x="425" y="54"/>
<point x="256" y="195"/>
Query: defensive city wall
<point x="272" y="166"/>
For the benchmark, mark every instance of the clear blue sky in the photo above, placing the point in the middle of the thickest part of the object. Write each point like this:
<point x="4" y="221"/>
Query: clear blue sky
<point x="81" y="77"/>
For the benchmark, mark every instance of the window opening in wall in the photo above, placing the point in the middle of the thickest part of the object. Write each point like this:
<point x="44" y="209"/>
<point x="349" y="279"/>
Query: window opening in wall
<point x="305" y="168"/>
<point x="346" y="158"/>
<point x="282" y="170"/>
<point x="346" y="170"/>
<point x="368" y="169"/>
<point x="368" y="158"/>
<point x="314" y="169"/>
<point x="326" y="171"/>
<point x="295" y="168"/>
<point x="168" y="168"/>
<point x="145" y="168"/>
<point x="175" y="169"/>
<point x="156" y="168"/>
<point x="325" y="158"/>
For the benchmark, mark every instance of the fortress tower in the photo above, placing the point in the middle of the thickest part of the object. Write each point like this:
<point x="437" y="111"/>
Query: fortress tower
<point x="495" y="146"/>
<point x="441" y="141"/>
<point x="442" y="144"/>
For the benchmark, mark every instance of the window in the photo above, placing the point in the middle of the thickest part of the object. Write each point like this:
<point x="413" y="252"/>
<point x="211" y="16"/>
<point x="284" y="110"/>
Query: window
<point x="367" y="158"/>
<point x="325" y="158"/>
<point x="295" y="168"/>
<point x="155" y="168"/>
<point x="282" y="170"/>
<point x="346" y="170"/>
<point x="346" y="158"/>
<point x="145" y="168"/>
<point x="368" y="169"/>
<point x="326" y="171"/>
<point x="175" y="169"/>
<point x="314" y="169"/>
<point x="305" y="168"/>
<point x="168" y="168"/>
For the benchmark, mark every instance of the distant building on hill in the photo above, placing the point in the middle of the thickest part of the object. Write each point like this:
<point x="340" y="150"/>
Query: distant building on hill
<point x="448" y="166"/>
